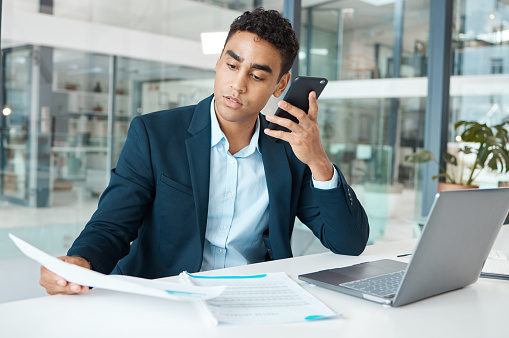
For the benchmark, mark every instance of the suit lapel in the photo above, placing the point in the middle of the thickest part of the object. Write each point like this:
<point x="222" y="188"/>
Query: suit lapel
<point x="198" y="154"/>
<point x="279" y="185"/>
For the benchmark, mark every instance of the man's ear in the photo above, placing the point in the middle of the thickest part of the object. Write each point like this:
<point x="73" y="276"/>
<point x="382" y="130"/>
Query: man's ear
<point x="281" y="86"/>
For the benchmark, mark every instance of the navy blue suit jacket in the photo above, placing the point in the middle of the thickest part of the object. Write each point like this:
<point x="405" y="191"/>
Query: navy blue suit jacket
<point x="152" y="217"/>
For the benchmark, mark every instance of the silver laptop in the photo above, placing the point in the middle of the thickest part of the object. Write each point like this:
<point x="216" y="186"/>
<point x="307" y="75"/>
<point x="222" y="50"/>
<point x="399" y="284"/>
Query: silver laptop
<point x="456" y="240"/>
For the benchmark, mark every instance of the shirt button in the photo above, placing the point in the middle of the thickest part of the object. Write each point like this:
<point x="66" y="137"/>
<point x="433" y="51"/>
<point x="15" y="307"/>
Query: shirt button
<point x="223" y="226"/>
<point x="220" y="250"/>
<point x="230" y="194"/>
<point x="232" y="161"/>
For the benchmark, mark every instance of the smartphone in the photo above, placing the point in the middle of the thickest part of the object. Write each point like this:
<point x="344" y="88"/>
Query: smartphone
<point x="298" y="94"/>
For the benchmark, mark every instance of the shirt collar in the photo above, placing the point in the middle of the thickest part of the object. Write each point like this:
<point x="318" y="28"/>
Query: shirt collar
<point x="217" y="134"/>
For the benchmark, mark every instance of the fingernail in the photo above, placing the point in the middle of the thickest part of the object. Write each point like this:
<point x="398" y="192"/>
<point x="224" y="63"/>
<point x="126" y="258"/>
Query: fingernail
<point x="75" y="288"/>
<point x="61" y="282"/>
<point x="283" y="104"/>
<point x="268" y="117"/>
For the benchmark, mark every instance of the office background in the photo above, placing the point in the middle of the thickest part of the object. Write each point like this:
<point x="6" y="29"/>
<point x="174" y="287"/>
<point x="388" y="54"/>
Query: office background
<point x="74" y="73"/>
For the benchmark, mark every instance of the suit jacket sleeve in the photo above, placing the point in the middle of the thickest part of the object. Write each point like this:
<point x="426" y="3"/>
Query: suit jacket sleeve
<point x="122" y="206"/>
<point x="335" y="216"/>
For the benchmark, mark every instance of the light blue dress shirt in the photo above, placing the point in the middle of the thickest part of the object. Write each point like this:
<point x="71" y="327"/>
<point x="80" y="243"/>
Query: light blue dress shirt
<point x="238" y="211"/>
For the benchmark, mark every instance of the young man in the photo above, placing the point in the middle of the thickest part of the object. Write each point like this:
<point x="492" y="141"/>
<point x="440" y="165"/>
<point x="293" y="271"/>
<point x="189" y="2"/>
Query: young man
<point x="209" y="186"/>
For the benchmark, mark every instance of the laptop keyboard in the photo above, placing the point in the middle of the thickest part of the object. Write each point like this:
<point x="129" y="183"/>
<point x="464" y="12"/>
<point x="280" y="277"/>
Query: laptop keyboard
<point x="384" y="286"/>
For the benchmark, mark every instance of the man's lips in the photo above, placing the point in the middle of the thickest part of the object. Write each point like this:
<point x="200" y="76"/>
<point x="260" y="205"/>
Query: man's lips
<point x="231" y="101"/>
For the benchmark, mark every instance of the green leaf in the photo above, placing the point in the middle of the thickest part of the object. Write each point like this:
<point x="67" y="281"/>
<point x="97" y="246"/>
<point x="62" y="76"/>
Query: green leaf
<point x="482" y="156"/>
<point x="422" y="156"/>
<point x="467" y="150"/>
<point x="450" y="158"/>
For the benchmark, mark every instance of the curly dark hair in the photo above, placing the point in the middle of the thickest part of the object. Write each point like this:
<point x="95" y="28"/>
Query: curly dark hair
<point x="272" y="27"/>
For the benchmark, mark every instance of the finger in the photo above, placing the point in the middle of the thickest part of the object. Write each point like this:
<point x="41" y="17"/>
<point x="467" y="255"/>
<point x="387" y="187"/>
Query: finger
<point x="55" y="284"/>
<point x="284" y="122"/>
<point x="288" y="107"/>
<point x="51" y="282"/>
<point x="282" y="135"/>
<point x="48" y="278"/>
<point x="74" y="288"/>
<point x="313" y="106"/>
<point x="68" y="289"/>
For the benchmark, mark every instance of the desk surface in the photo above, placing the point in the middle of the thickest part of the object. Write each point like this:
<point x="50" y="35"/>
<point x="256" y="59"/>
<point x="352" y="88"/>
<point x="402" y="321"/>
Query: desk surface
<point x="479" y="310"/>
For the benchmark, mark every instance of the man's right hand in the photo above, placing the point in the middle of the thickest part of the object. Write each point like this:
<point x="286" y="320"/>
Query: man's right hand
<point x="56" y="285"/>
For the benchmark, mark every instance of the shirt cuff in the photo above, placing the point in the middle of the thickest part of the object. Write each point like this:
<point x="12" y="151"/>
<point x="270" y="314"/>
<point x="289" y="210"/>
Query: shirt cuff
<point x="325" y="185"/>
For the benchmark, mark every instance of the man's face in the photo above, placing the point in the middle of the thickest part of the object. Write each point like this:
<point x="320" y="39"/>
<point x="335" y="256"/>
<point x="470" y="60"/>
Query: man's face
<point x="246" y="76"/>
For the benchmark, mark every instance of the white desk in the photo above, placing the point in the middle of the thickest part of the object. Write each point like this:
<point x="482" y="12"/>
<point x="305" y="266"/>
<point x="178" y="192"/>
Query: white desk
<point x="479" y="310"/>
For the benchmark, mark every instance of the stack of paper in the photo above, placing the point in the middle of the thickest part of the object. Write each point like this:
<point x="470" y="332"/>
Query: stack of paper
<point x="496" y="268"/>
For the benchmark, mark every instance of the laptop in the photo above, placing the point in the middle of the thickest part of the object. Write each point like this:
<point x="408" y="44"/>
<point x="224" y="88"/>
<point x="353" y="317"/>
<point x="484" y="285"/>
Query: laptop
<point x="456" y="240"/>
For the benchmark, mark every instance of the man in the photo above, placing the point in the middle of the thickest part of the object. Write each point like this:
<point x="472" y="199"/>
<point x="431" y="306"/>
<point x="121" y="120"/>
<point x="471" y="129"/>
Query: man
<point x="209" y="186"/>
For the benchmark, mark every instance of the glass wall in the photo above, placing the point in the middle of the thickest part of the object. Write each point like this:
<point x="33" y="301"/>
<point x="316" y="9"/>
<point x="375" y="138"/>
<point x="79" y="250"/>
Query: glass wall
<point x="479" y="90"/>
<point x="372" y="112"/>
<point x="14" y="133"/>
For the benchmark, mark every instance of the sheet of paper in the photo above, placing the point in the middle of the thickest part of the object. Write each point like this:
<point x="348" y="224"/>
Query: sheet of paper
<point x="497" y="267"/>
<point x="147" y="287"/>
<point x="272" y="298"/>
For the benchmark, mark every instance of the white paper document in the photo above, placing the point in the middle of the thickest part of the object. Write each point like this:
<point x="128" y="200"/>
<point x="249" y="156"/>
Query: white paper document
<point x="271" y="298"/>
<point x="496" y="268"/>
<point x="147" y="287"/>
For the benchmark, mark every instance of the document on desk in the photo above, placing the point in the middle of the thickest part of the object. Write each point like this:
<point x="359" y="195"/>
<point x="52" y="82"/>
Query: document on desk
<point x="496" y="268"/>
<point x="271" y="298"/>
<point x="142" y="286"/>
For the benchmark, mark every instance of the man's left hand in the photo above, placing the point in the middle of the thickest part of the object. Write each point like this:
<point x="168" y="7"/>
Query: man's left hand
<point x="304" y="137"/>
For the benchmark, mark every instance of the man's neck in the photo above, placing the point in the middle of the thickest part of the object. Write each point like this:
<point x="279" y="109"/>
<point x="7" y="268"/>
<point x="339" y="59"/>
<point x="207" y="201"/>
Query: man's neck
<point x="238" y="134"/>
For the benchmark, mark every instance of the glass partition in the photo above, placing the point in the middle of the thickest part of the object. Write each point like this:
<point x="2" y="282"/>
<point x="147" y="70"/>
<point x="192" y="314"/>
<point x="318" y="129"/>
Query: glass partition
<point x="479" y="90"/>
<point x="352" y="40"/>
<point x="15" y="123"/>
<point x="143" y="86"/>
<point x="372" y="112"/>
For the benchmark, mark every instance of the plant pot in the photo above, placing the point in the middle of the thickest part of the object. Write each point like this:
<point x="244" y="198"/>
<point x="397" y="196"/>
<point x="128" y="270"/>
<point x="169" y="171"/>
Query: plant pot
<point x="442" y="186"/>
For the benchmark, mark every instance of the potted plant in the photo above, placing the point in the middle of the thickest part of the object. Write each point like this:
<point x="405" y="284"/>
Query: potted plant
<point x="490" y="153"/>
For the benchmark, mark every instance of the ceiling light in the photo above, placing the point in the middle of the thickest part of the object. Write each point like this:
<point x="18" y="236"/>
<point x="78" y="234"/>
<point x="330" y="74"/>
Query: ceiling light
<point x="348" y="12"/>
<point x="320" y="51"/>
<point x="213" y="42"/>
<point x="379" y="2"/>
<point x="7" y="111"/>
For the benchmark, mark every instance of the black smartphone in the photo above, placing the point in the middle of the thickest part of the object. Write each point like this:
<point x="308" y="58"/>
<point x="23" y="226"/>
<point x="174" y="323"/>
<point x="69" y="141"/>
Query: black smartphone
<point x="298" y="94"/>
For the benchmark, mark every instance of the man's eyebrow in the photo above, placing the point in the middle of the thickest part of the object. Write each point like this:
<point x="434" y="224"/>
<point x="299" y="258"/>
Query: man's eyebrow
<point x="264" y="68"/>
<point x="234" y="55"/>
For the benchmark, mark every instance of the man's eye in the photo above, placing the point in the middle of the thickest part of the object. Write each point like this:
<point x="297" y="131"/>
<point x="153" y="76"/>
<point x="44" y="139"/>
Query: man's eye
<point x="257" y="78"/>
<point x="231" y="66"/>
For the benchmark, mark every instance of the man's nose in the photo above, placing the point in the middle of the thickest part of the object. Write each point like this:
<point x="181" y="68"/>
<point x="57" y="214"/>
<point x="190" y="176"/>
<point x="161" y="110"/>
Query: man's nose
<point x="239" y="83"/>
